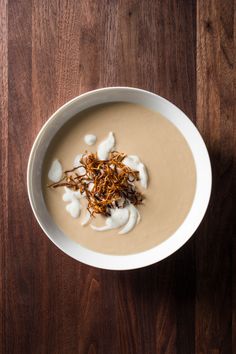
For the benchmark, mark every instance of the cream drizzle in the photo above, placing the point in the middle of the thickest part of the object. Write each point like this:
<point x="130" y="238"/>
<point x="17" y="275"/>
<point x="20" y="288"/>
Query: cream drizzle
<point x="128" y="217"/>
<point x="90" y="139"/>
<point x="134" y="162"/>
<point x="73" y="207"/>
<point x="55" y="171"/>
<point x="106" y="146"/>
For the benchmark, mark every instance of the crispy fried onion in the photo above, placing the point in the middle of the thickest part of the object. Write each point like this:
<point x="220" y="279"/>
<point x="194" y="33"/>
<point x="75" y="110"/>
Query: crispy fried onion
<point x="106" y="184"/>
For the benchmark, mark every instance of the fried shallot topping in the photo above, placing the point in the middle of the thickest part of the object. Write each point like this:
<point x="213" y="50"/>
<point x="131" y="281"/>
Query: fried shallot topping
<point x="106" y="184"/>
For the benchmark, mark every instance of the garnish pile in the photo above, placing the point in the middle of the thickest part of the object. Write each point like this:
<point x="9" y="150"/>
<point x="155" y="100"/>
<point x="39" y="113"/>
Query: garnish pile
<point x="106" y="184"/>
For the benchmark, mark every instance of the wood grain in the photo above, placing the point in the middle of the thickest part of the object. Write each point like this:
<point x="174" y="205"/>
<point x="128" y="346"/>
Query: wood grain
<point x="216" y="120"/>
<point x="52" y="51"/>
<point x="3" y="164"/>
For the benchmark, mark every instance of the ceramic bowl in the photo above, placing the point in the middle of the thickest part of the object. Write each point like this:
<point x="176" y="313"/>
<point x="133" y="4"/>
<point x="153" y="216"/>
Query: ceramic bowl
<point x="155" y="103"/>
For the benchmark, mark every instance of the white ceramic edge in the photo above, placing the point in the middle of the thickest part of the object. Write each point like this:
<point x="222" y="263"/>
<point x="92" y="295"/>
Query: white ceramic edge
<point x="184" y="232"/>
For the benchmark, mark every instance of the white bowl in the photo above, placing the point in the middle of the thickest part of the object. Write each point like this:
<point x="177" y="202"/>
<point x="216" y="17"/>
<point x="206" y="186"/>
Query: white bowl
<point x="155" y="103"/>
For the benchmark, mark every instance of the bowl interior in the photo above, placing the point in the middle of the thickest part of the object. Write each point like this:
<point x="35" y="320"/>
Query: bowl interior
<point x="155" y="103"/>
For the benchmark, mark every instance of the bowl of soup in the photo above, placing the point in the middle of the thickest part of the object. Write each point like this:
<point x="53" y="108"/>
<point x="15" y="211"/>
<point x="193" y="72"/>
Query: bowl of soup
<point x="119" y="178"/>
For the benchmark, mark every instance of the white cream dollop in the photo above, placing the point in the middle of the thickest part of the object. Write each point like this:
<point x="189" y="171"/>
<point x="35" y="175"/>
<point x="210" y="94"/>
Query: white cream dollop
<point x="128" y="217"/>
<point x="81" y="171"/>
<point x="119" y="217"/>
<point x="134" y="218"/>
<point x="86" y="219"/>
<point x="55" y="172"/>
<point x="106" y="146"/>
<point x="134" y="162"/>
<point x="77" y="160"/>
<point x="72" y="197"/>
<point x="90" y="139"/>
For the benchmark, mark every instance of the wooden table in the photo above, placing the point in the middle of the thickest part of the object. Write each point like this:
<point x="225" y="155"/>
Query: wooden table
<point x="52" y="51"/>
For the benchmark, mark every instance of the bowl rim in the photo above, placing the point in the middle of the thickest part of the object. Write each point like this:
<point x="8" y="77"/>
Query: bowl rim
<point x="147" y="257"/>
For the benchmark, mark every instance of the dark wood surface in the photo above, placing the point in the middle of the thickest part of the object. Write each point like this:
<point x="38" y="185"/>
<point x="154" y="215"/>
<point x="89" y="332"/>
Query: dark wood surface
<point x="51" y="51"/>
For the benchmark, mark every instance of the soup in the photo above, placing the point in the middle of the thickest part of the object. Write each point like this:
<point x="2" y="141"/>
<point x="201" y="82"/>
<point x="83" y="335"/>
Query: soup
<point x="168" y="160"/>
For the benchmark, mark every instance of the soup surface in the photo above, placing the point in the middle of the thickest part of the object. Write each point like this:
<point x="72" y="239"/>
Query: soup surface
<point x="163" y="150"/>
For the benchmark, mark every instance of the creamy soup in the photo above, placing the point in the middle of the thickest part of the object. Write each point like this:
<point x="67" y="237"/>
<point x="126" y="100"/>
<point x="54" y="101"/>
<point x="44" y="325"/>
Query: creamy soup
<point x="163" y="150"/>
